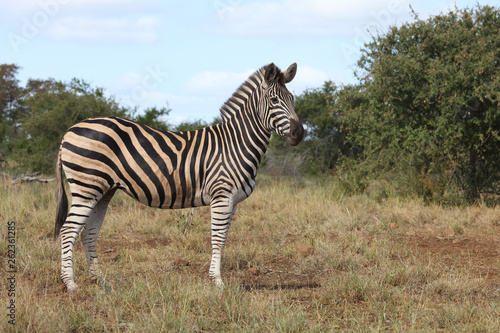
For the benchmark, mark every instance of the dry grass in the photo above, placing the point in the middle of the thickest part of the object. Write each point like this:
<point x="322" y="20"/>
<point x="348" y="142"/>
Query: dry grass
<point x="390" y="265"/>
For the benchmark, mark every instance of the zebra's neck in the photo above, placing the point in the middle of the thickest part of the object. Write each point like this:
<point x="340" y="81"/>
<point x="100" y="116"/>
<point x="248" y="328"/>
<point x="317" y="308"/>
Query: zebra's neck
<point x="244" y="98"/>
<point x="240" y="113"/>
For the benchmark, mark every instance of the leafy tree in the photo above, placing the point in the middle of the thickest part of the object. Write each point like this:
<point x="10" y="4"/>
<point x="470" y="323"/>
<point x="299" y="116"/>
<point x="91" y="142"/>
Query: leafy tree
<point x="195" y="125"/>
<point x="431" y="102"/>
<point x="51" y="108"/>
<point x="153" y="117"/>
<point x="9" y="105"/>
<point x="324" y="140"/>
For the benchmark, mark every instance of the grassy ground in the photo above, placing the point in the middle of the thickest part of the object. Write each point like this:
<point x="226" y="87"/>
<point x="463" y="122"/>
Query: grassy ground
<point x="378" y="265"/>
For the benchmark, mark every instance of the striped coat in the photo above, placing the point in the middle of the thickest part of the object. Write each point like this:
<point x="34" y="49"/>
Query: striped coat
<point x="215" y="166"/>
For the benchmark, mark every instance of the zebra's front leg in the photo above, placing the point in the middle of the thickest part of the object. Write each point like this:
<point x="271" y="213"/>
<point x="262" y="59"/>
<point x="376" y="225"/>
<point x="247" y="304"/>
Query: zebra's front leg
<point x="222" y="214"/>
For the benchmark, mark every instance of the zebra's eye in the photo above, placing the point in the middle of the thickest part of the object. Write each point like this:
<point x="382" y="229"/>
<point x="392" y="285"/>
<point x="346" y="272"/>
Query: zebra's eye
<point x="274" y="100"/>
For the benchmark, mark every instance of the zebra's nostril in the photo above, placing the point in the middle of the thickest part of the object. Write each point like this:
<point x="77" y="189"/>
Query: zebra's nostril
<point x="296" y="132"/>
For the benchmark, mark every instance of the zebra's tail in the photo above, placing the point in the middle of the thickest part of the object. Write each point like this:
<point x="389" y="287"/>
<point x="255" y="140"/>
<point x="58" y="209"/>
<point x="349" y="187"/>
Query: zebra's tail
<point x="62" y="200"/>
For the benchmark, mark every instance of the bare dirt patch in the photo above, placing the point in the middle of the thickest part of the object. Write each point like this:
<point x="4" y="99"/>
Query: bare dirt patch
<point x="477" y="254"/>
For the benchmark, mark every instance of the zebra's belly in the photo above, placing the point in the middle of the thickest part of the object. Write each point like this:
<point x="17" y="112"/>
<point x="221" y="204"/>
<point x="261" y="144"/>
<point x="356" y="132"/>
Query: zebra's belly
<point x="167" y="196"/>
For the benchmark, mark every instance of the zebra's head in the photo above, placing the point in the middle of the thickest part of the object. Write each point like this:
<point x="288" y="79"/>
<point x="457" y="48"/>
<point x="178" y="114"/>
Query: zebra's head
<point x="276" y="104"/>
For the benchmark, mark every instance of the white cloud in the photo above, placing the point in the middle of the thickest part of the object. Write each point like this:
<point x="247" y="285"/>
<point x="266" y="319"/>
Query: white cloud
<point x="308" y="18"/>
<point x="108" y="21"/>
<point x="73" y="7"/>
<point x="333" y="9"/>
<point x="100" y="30"/>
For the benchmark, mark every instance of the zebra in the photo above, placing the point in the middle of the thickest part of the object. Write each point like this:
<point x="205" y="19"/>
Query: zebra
<point x="214" y="166"/>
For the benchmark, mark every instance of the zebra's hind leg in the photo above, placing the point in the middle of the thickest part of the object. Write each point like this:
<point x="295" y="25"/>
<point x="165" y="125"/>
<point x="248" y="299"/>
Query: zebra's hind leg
<point x="91" y="231"/>
<point x="78" y="217"/>
<point x="222" y="215"/>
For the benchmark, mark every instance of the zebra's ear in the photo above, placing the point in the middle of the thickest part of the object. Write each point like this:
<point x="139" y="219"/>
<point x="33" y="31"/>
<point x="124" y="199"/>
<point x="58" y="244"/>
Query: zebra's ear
<point x="270" y="73"/>
<point x="289" y="74"/>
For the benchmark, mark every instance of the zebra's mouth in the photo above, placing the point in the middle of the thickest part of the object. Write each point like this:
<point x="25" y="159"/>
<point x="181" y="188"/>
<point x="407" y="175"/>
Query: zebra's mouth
<point x="296" y="133"/>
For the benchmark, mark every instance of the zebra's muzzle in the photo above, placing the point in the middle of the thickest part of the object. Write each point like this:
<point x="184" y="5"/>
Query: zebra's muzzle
<point x="296" y="133"/>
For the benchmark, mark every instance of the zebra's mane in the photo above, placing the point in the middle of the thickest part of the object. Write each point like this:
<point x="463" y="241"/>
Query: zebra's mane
<point x="237" y="101"/>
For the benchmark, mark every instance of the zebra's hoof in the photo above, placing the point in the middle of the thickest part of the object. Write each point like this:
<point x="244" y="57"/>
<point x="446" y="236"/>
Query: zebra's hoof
<point x="217" y="280"/>
<point x="71" y="287"/>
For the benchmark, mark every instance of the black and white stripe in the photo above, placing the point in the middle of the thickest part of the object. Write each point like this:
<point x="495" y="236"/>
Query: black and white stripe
<point x="215" y="166"/>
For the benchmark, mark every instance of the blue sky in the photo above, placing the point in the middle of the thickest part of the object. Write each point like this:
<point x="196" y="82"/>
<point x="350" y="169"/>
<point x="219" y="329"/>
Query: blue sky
<point x="194" y="54"/>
